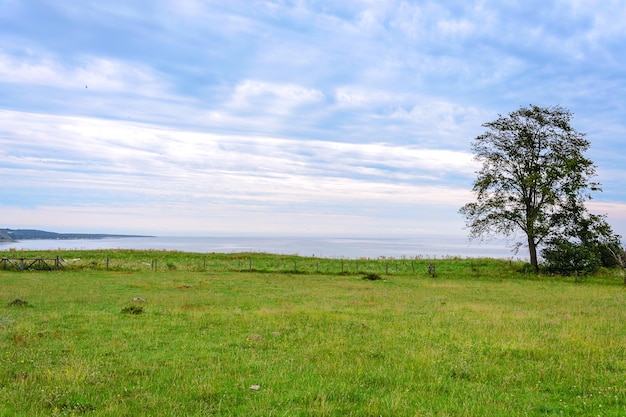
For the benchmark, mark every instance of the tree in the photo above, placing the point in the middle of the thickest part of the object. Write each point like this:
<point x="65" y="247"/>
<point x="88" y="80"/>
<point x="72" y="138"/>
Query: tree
<point x="534" y="177"/>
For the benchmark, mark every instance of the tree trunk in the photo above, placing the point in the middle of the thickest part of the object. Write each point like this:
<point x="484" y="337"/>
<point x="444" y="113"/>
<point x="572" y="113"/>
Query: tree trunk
<point x="532" y="250"/>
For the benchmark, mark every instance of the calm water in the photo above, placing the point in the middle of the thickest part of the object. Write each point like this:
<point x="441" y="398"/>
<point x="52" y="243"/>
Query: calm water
<point x="350" y="248"/>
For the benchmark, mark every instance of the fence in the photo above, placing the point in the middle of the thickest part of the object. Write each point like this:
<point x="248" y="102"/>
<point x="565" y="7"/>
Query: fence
<point x="163" y="262"/>
<point x="252" y="264"/>
<point x="220" y="264"/>
<point x="26" y="264"/>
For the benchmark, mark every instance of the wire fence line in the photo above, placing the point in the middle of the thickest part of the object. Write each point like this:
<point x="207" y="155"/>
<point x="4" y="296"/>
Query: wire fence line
<point x="226" y="263"/>
<point x="284" y="265"/>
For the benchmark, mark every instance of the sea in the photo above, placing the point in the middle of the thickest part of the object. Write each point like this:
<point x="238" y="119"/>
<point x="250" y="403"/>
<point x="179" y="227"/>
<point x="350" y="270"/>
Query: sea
<point x="331" y="247"/>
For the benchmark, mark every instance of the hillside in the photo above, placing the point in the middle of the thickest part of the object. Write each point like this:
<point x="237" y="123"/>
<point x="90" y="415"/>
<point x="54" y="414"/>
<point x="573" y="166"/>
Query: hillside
<point x="10" y="235"/>
<point x="4" y="237"/>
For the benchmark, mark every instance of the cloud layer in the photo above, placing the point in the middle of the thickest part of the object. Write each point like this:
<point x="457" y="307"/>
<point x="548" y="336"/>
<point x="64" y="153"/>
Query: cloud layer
<point x="287" y="117"/>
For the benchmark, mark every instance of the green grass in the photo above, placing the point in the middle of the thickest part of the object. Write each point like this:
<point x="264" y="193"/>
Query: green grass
<point x="480" y="339"/>
<point x="155" y="260"/>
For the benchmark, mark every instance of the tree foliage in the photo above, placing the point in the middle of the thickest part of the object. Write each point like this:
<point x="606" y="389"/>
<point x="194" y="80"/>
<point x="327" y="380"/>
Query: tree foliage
<point x="566" y="257"/>
<point x="585" y="246"/>
<point x="534" y="177"/>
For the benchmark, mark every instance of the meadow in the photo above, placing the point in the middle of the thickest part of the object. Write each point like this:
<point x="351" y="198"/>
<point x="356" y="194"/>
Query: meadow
<point x="154" y="333"/>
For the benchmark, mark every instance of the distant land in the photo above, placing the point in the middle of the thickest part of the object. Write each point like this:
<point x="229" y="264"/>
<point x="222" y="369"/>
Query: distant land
<point x="12" y="235"/>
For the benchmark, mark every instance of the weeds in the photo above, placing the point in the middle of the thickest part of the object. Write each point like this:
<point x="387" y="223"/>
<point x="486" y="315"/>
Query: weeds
<point x="134" y="309"/>
<point x="18" y="303"/>
<point x="372" y="277"/>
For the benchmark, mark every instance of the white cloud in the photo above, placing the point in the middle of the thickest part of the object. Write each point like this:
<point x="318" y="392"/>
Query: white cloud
<point x="358" y="96"/>
<point x="614" y="210"/>
<point x="129" y="159"/>
<point x="251" y="93"/>
<point x="107" y="76"/>
<point x="455" y="27"/>
<point x="134" y="176"/>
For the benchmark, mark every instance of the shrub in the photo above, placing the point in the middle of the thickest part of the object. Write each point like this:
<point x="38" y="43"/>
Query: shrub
<point x="133" y="310"/>
<point x="372" y="277"/>
<point x="18" y="303"/>
<point x="569" y="258"/>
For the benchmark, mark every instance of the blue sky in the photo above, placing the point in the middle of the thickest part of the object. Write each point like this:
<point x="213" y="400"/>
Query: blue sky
<point x="351" y="118"/>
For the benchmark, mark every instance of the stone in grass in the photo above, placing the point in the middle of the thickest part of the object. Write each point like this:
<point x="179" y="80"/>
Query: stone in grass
<point x="255" y="387"/>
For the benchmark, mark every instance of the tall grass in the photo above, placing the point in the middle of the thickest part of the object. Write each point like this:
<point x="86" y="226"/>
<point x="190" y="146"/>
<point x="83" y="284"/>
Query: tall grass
<point x="481" y="338"/>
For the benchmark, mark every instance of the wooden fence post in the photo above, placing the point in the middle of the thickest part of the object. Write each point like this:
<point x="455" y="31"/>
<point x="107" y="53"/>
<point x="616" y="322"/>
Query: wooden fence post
<point x="431" y="270"/>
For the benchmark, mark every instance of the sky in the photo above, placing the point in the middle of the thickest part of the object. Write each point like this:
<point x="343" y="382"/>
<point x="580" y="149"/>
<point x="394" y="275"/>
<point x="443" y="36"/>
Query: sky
<point x="288" y="117"/>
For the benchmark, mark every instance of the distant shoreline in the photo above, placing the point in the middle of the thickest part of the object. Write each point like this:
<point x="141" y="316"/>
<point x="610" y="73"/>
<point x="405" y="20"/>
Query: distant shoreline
<point x="323" y="247"/>
<point x="15" y="235"/>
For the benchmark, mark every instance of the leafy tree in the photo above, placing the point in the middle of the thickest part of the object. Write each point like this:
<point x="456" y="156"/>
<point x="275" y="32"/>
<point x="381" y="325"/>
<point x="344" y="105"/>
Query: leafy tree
<point x="534" y="177"/>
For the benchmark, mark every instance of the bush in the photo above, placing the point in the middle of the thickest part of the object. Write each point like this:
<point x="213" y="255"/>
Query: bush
<point x="133" y="310"/>
<point x="18" y="303"/>
<point x="372" y="277"/>
<point x="570" y="258"/>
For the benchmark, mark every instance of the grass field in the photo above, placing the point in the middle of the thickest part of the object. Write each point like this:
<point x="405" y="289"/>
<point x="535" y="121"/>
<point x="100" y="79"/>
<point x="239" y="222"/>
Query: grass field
<point x="202" y="335"/>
